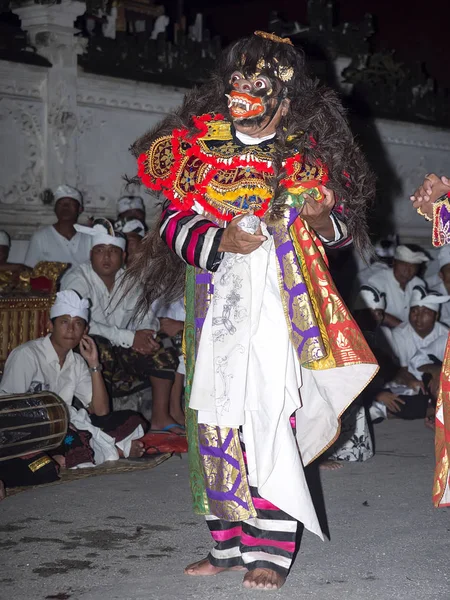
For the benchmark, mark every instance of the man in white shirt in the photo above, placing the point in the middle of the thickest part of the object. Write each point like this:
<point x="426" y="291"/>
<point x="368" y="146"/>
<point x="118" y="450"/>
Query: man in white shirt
<point x="429" y="360"/>
<point x="131" y="353"/>
<point x="49" y="364"/>
<point x="443" y="286"/>
<point x="60" y="242"/>
<point x="397" y="283"/>
<point x="408" y="339"/>
<point x="131" y="207"/>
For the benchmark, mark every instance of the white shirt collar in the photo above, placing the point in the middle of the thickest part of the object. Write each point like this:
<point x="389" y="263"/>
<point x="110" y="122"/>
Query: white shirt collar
<point x="51" y="354"/>
<point x="251" y="141"/>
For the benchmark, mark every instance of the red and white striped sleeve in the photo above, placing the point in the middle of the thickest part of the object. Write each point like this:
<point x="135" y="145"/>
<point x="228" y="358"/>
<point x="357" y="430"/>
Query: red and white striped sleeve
<point x="193" y="238"/>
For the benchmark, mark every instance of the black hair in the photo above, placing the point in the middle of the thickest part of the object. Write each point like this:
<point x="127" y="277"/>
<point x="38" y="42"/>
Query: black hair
<point x="315" y="126"/>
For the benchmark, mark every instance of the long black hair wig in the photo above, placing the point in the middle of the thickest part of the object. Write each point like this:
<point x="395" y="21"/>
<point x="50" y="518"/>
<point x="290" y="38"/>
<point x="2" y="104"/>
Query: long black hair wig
<point x="315" y="125"/>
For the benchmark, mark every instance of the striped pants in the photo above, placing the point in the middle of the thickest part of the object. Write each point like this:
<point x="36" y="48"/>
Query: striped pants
<point x="268" y="540"/>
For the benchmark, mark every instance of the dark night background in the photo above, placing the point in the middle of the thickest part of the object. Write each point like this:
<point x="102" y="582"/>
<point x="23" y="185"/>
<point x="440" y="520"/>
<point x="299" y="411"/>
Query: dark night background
<point x="417" y="31"/>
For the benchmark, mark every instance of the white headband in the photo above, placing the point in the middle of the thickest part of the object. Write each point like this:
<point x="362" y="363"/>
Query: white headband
<point x="5" y="239"/>
<point x="70" y="303"/>
<point x="404" y="254"/>
<point x="131" y="226"/>
<point x="421" y="297"/>
<point x="130" y="203"/>
<point x="369" y="297"/>
<point x="100" y="235"/>
<point x="66" y="191"/>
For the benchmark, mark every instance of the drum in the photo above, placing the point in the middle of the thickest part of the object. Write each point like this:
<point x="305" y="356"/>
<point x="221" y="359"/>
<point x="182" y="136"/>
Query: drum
<point x="31" y="423"/>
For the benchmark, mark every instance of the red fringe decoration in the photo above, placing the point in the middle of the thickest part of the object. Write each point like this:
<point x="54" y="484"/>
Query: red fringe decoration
<point x="180" y="137"/>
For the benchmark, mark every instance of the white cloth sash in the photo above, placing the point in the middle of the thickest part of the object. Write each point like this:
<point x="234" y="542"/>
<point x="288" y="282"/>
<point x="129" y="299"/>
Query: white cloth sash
<point x="219" y="389"/>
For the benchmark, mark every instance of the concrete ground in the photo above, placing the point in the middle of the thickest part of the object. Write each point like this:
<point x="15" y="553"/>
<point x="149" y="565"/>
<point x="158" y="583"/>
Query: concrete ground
<point x="128" y="536"/>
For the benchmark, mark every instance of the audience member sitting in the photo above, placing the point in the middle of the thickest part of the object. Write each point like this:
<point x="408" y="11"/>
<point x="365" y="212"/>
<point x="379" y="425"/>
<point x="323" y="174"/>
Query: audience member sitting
<point x="369" y="313"/>
<point x="408" y="339"/>
<point x="426" y="364"/>
<point x="5" y="245"/>
<point x="131" y="207"/>
<point x="397" y="283"/>
<point x="60" y="242"/>
<point x="134" y="231"/>
<point x="131" y="354"/>
<point x="171" y="323"/>
<point x="443" y="286"/>
<point x="384" y="250"/>
<point x="49" y="364"/>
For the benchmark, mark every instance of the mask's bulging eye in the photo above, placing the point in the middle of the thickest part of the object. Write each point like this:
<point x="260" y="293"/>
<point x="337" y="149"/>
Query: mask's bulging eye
<point x="236" y="76"/>
<point x="260" y="84"/>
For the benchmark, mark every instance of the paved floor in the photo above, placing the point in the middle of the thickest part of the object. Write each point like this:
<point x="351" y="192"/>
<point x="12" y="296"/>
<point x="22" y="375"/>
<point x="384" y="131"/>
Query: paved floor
<point x="128" y="536"/>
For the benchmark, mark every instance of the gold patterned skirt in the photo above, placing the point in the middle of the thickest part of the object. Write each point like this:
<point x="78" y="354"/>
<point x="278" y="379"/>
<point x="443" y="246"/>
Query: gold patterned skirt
<point x="441" y="488"/>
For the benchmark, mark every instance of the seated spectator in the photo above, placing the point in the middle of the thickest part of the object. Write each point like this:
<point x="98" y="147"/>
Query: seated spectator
<point x="131" y="207"/>
<point x="131" y="353"/>
<point x="49" y="364"/>
<point x="171" y="323"/>
<point x="134" y="232"/>
<point x="5" y="245"/>
<point x="369" y="314"/>
<point x="429" y="360"/>
<point x="397" y="283"/>
<point x="370" y="299"/>
<point x="61" y="242"/>
<point x="443" y="287"/>
<point x="410" y="338"/>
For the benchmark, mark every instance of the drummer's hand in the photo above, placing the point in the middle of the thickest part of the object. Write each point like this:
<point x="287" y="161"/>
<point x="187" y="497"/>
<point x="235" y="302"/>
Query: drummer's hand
<point x="88" y="351"/>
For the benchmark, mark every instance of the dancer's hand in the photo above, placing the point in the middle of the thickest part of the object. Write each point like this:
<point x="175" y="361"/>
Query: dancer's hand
<point x="426" y="194"/>
<point x="235" y="240"/>
<point x="317" y="214"/>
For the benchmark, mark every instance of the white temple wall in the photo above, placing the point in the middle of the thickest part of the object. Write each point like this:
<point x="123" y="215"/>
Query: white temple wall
<point x="61" y="125"/>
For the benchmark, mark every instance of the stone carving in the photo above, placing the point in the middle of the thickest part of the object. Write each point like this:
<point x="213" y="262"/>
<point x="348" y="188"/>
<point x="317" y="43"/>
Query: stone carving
<point x="62" y="120"/>
<point x="25" y="185"/>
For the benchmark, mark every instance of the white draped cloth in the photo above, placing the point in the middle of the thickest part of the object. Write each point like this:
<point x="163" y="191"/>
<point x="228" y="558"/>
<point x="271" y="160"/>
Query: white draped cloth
<point x="103" y="445"/>
<point x="247" y="374"/>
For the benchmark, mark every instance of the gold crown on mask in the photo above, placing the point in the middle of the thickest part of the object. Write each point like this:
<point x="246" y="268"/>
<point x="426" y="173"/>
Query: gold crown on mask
<point x="273" y="38"/>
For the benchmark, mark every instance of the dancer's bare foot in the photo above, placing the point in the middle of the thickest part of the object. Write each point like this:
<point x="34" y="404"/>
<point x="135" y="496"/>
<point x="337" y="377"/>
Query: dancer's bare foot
<point x="137" y="449"/>
<point x="205" y="568"/>
<point x="330" y="465"/>
<point x="60" y="459"/>
<point x="263" y="579"/>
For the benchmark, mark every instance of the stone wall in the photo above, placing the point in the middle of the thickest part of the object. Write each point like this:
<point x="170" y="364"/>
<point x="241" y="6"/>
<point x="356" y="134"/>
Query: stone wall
<point x="60" y="125"/>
